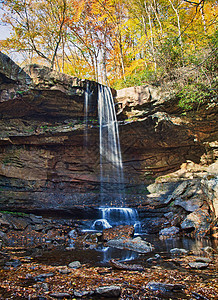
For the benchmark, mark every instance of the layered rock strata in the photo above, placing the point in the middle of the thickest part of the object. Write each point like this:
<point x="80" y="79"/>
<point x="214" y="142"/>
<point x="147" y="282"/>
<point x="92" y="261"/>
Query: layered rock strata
<point x="45" y="165"/>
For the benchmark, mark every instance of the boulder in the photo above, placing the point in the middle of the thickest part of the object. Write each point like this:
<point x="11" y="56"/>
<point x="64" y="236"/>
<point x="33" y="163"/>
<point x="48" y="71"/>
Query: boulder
<point x="75" y="265"/>
<point x="111" y="291"/>
<point x="136" y="244"/>
<point x="198" y="221"/>
<point x="169" y="232"/>
<point x="153" y="225"/>
<point x="83" y="294"/>
<point x="179" y="251"/>
<point x="203" y="259"/>
<point x="164" y="287"/>
<point x="60" y="295"/>
<point x="42" y="277"/>
<point x="189" y="205"/>
<point x="198" y="265"/>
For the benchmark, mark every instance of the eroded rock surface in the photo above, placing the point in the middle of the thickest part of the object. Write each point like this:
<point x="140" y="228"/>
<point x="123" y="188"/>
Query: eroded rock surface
<point x="45" y="165"/>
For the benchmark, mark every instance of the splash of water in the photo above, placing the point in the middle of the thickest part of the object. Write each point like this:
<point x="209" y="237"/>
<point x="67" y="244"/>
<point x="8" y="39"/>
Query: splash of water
<point x="114" y="216"/>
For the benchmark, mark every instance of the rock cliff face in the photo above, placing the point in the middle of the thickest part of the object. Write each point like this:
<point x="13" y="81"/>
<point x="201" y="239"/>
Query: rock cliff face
<point x="45" y="164"/>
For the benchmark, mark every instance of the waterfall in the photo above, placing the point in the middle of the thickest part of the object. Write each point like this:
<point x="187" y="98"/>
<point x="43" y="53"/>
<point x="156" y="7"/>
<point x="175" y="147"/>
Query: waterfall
<point x="86" y="112"/>
<point x="112" y="191"/>
<point x="111" y="166"/>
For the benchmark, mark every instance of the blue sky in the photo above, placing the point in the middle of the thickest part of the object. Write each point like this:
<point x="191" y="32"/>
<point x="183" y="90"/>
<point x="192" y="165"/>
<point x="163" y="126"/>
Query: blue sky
<point x="4" y="30"/>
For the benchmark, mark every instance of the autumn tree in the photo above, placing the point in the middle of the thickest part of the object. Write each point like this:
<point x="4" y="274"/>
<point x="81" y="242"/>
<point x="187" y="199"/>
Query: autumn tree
<point x="112" y="41"/>
<point x="38" y="28"/>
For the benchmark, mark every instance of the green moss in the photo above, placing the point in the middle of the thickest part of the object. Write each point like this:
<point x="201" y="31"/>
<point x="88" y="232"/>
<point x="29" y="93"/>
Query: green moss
<point x="14" y="213"/>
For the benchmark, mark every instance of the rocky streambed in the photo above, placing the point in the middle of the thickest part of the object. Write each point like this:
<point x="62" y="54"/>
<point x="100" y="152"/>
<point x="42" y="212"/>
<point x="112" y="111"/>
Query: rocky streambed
<point x="50" y="258"/>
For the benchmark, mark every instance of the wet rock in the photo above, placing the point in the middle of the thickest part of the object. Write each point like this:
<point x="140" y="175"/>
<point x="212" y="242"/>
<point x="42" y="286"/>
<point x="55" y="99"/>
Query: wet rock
<point x="13" y="221"/>
<point x="2" y="235"/>
<point x="38" y="227"/>
<point x="153" y="225"/>
<point x="176" y="221"/>
<point x="167" y="232"/>
<point x="75" y="265"/>
<point x="203" y="259"/>
<point x="198" y="265"/>
<point x="36" y="219"/>
<point x="189" y="205"/>
<point x="42" y="277"/>
<point x="112" y="291"/>
<point x="180" y="189"/>
<point x="118" y="232"/>
<point x="179" y="251"/>
<point x="121" y="266"/>
<point x="83" y="294"/>
<point x="198" y="221"/>
<point x="154" y="258"/>
<point x="87" y="240"/>
<point x="169" y="215"/>
<point x="64" y="271"/>
<point x="4" y="222"/>
<point x="199" y="296"/>
<point x="73" y="234"/>
<point x="14" y="263"/>
<point x="43" y="286"/>
<point x="60" y="295"/>
<point x="164" y="287"/>
<point x="19" y="223"/>
<point x="208" y="250"/>
<point x="136" y="244"/>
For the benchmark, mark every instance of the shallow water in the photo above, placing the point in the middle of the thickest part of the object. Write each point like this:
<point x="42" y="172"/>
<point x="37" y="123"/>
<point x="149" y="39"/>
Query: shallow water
<point x="101" y="255"/>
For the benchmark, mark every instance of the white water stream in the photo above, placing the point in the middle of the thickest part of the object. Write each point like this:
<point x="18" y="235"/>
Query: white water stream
<point x="112" y="210"/>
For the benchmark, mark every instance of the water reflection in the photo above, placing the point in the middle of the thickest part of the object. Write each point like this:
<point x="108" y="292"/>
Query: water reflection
<point x="165" y="245"/>
<point x="108" y="253"/>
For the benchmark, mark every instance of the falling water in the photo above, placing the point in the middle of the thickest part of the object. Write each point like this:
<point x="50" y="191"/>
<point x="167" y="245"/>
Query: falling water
<point x="114" y="216"/>
<point x="112" y="211"/>
<point x="86" y="111"/>
<point x="111" y="166"/>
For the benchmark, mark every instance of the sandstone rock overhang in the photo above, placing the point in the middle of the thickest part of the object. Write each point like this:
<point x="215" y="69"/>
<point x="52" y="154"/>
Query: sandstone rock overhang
<point x="44" y="164"/>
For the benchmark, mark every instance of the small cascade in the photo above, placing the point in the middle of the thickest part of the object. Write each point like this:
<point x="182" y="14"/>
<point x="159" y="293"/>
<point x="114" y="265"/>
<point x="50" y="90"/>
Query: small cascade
<point x="114" y="216"/>
<point x="101" y="224"/>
